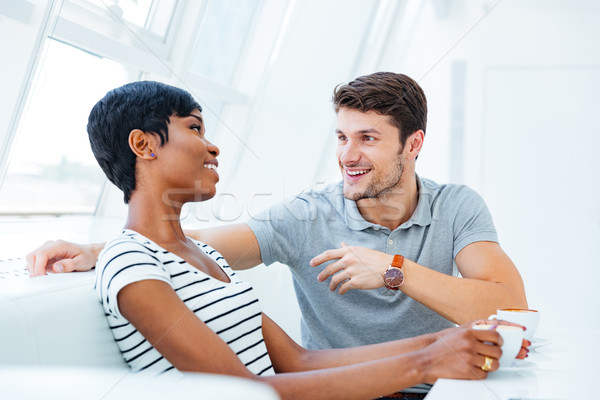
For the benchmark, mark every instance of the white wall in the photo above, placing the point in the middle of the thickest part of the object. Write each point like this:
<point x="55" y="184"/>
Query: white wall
<point x="538" y="138"/>
<point x="524" y="135"/>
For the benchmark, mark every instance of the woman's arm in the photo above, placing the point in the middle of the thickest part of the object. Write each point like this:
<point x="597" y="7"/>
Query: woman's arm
<point x="190" y="345"/>
<point x="289" y="356"/>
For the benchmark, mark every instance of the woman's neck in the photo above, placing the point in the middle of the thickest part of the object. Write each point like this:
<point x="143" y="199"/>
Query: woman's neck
<point x="154" y="218"/>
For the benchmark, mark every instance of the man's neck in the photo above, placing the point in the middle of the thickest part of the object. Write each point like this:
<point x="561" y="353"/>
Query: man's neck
<point x="394" y="207"/>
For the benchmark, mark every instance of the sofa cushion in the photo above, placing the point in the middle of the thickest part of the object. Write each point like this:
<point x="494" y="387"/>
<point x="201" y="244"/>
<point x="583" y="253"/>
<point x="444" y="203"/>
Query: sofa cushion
<point x="54" y="319"/>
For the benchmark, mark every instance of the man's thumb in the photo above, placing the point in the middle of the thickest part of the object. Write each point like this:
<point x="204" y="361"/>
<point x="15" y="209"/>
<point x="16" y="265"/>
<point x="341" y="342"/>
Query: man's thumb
<point x="66" y="265"/>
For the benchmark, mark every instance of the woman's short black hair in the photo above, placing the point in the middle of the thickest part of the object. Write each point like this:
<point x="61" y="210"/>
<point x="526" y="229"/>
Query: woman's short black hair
<point x="144" y="105"/>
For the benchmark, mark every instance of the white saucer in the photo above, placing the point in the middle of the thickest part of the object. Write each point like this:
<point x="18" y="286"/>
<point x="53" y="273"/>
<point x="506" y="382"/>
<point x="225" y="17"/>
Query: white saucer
<point x="539" y="342"/>
<point x="518" y="365"/>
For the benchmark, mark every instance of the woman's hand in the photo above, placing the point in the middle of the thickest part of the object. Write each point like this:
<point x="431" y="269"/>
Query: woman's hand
<point x="524" y="346"/>
<point x="460" y="353"/>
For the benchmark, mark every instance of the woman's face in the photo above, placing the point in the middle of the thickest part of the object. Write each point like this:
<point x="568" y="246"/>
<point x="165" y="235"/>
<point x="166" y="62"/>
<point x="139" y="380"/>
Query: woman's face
<point x="187" y="161"/>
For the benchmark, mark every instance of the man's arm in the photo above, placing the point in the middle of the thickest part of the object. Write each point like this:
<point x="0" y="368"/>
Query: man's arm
<point x="489" y="279"/>
<point x="236" y="243"/>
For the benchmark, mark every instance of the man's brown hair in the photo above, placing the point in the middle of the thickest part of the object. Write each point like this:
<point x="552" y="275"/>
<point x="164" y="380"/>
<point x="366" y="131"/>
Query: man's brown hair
<point x="394" y="95"/>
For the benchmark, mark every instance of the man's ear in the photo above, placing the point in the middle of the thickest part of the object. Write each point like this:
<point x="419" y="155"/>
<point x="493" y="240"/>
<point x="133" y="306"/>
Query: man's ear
<point x="414" y="144"/>
<point x="142" y="144"/>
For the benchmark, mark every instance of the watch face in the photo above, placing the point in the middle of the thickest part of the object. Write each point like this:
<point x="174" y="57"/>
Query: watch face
<point x="394" y="278"/>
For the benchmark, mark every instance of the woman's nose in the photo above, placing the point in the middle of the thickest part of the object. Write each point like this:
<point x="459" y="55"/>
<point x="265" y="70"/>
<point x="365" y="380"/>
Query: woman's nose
<point x="213" y="149"/>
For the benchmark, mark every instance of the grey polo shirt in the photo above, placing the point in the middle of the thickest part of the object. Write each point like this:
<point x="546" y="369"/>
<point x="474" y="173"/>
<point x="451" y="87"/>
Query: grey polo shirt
<point x="447" y="218"/>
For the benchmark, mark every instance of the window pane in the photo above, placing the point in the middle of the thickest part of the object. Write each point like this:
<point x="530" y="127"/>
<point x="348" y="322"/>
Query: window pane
<point x="159" y="20"/>
<point x="211" y="111"/>
<point x="52" y="168"/>
<point x="153" y="15"/>
<point x="225" y="26"/>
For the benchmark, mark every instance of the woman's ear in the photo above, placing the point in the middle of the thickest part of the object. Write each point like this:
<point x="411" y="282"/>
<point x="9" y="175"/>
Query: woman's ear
<point x="414" y="144"/>
<point x="142" y="144"/>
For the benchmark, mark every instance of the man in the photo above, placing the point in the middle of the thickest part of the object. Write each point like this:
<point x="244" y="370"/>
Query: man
<point x="383" y="231"/>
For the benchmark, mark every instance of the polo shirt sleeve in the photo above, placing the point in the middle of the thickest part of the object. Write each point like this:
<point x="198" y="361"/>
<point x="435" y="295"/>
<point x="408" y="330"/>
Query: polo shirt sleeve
<point x="473" y="221"/>
<point x="281" y="230"/>
<point x="121" y="263"/>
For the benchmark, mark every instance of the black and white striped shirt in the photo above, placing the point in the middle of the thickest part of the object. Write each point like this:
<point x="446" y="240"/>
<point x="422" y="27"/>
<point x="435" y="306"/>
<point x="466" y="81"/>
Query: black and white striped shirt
<point x="230" y="309"/>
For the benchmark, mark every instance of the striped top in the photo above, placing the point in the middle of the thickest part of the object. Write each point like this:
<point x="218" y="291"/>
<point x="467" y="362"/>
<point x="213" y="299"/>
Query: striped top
<point x="230" y="309"/>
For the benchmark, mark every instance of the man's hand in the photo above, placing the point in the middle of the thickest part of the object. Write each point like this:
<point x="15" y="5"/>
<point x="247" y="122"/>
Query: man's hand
<point x="61" y="256"/>
<point x="355" y="268"/>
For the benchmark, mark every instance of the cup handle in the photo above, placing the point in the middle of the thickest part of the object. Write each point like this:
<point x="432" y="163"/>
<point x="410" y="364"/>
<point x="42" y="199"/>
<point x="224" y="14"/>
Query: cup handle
<point x="493" y="316"/>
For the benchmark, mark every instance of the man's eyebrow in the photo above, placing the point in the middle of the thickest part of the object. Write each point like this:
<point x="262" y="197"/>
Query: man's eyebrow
<point x="361" y="132"/>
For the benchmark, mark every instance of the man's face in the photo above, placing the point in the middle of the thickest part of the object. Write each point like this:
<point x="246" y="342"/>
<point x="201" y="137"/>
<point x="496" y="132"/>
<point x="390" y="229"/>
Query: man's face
<point x="369" y="154"/>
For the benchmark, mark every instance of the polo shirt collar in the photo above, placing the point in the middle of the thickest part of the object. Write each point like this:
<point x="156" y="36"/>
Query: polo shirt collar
<point x="354" y="220"/>
<point x="422" y="215"/>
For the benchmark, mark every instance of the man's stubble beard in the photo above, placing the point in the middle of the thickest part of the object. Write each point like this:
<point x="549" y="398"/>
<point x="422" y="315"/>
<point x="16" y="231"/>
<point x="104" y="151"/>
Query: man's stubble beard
<point x="379" y="189"/>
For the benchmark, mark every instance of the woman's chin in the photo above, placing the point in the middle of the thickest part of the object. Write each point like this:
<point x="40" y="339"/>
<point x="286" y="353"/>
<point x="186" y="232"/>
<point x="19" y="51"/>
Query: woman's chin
<point x="205" y="196"/>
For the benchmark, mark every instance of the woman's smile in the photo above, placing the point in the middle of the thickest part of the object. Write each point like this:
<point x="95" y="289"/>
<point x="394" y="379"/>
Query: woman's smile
<point x="212" y="165"/>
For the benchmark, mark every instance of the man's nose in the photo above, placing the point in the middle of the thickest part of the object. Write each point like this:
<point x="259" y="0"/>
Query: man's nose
<point x="350" y="153"/>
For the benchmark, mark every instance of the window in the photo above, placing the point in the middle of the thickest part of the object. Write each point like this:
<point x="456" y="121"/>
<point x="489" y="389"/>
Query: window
<point x="52" y="169"/>
<point x="87" y="48"/>
<point x="221" y="39"/>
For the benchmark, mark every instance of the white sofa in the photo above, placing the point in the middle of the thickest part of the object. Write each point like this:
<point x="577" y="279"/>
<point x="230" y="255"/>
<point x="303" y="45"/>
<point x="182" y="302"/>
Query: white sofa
<point x="54" y="320"/>
<point x="55" y="343"/>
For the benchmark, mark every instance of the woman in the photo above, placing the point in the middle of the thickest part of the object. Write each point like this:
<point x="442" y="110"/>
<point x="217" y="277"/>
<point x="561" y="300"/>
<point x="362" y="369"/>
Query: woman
<point x="173" y="303"/>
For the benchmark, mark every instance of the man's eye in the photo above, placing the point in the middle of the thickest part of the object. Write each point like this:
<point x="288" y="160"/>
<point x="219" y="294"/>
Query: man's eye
<point x="368" y="138"/>
<point x="342" y="138"/>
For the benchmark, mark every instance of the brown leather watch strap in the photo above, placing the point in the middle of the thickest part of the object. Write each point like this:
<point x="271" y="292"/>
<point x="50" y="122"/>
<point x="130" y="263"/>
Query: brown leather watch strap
<point x="398" y="261"/>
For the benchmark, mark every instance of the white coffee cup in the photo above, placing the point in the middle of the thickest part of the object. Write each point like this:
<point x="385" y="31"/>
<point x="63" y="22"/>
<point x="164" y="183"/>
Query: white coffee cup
<point x="522" y="316"/>
<point x="512" y="337"/>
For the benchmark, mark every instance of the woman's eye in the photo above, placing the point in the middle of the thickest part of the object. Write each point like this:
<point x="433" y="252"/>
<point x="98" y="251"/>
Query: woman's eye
<point x="197" y="128"/>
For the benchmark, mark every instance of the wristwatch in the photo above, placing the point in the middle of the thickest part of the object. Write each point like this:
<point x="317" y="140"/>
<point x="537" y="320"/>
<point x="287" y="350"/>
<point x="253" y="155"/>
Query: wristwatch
<point x="393" y="277"/>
